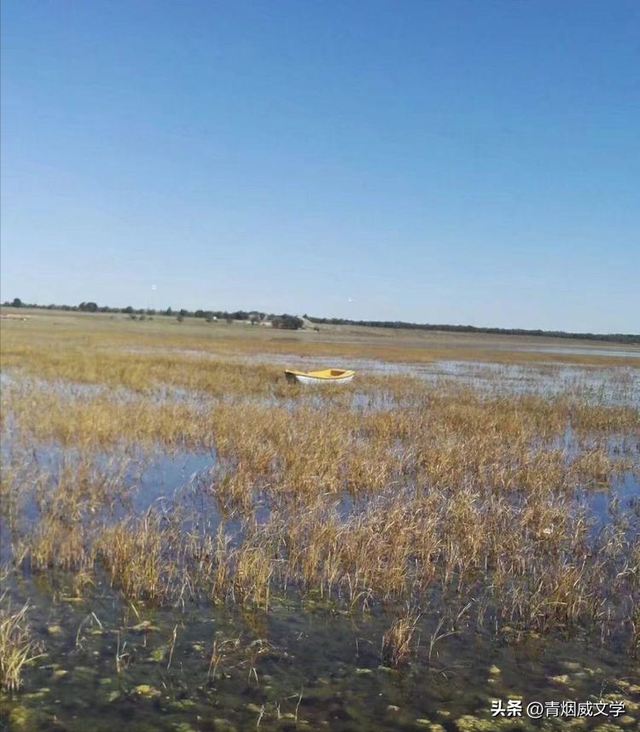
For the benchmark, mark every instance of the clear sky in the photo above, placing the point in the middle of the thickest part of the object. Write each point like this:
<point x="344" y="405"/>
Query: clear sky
<point x="439" y="161"/>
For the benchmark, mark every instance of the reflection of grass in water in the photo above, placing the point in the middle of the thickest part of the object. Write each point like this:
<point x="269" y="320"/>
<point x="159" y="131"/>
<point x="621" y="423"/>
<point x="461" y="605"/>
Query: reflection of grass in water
<point x="455" y="497"/>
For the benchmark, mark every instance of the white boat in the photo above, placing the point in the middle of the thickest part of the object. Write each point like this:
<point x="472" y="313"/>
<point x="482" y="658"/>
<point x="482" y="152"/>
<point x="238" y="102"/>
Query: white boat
<point x="335" y="376"/>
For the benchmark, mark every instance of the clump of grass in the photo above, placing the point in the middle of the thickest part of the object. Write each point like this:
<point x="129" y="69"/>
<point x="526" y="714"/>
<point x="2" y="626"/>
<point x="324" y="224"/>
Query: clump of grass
<point x="17" y="647"/>
<point x="54" y="543"/>
<point x="137" y="555"/>
<point x="397" y="640"/>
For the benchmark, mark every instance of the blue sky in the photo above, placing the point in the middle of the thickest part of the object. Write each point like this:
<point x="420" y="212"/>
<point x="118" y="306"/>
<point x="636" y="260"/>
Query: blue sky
<point x="435" y="161"/>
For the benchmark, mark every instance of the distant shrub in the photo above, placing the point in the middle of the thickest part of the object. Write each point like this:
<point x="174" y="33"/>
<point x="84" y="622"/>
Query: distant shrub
<point x="287" y="322"/>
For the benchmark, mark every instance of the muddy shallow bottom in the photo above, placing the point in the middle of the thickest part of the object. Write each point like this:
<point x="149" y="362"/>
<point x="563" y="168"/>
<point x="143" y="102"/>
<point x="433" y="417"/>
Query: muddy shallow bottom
<point x="297" y="667"/>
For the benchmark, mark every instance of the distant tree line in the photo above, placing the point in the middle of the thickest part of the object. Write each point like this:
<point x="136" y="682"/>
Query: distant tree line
<point x="400" y="324"/>
<point x="293" y="322"/>
<point x="284" y="321"/>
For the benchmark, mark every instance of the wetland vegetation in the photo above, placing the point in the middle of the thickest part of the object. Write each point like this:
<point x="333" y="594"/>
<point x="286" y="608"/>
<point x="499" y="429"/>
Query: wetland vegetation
<point x="191" y="543"/>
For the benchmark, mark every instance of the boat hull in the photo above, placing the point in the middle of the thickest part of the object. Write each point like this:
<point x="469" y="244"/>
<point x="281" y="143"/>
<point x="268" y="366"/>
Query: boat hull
<point x="330" y="376"/>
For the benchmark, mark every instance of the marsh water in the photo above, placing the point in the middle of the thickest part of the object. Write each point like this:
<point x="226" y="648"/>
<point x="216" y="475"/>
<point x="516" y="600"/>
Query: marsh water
<point x="321" y="670"/>
<point x="108" y="664"/>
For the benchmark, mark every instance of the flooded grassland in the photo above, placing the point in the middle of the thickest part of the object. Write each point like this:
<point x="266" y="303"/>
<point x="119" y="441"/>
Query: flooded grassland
<point x="190" y="543"/>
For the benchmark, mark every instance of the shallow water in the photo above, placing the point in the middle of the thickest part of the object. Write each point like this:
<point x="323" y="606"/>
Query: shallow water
<point x="582" y="351"/>
<point x="295" y="661"/>
<point x="308" y="663"/>
<point x="603" y="385"/>
<point x="603" y="504"/>
<point x="619" y="386"/>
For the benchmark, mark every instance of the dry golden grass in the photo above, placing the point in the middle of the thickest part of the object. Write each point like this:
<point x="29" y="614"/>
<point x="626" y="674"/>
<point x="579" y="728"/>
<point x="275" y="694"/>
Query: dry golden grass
<point x="390" y="492"/>
<point x="137" y="556"/>
<point x="16" y="646"/>
<point x="396" y="642"/>
<point x="66" y="331"/>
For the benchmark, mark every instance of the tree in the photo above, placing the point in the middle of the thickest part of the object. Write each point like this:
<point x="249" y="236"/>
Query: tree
<point x="287" y="322"/>
<point x="17" y="302"/>
<point x="128" y="310"/>
<point x="88" y="307"/>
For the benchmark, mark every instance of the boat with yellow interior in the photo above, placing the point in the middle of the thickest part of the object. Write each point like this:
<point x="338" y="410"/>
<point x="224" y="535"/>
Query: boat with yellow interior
<point x="337" y="376"/>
